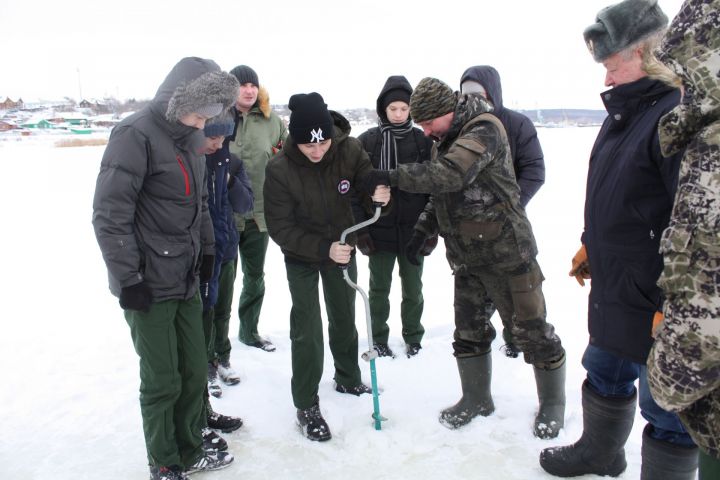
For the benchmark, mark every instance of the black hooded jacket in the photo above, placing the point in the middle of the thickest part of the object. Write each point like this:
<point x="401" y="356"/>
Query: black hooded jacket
<point x="392" y="232"/>
<point x="525" y="147"/>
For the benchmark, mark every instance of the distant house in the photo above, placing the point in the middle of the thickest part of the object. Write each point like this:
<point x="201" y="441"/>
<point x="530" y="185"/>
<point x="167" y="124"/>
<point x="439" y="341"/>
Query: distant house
<point x="37" y="123"/>
<point x="9" y="104"/>
<point x="6" y="125"/>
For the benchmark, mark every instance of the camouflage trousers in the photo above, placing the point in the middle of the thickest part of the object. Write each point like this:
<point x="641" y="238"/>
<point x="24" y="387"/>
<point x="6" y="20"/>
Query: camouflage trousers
<point x="516" y="291"/>
<point x="684" y="363"/>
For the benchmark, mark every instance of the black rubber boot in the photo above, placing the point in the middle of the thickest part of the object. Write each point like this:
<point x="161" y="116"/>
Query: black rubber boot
<point x="666" y="461"/>
<point x="551" y="397"/>
<point x="475" y="376"/>
<point x="607" y="423"/>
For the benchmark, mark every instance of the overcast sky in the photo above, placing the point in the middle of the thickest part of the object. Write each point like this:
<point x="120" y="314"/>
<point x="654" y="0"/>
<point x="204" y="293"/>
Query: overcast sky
<point x="343" y="49"/>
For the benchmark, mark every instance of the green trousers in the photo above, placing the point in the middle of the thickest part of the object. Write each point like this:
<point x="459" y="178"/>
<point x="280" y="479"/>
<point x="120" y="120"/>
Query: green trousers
<point x="216" y="321"/>
<point x="709" y="467"/>
<point x="381" y="265"/>
<point x="253" y="247"/>
<point x="173" y="373"/>
<point x="306" y="329"/>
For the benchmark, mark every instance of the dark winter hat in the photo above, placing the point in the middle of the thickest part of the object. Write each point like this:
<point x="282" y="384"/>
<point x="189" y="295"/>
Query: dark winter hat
<point x="620" y="25"/>
<point x="431" y="99"/>
<point x="245" y="74"/>
<point x="220" y="126"/>
<point x="207" y="95"/>
<point x="310" y="120"/>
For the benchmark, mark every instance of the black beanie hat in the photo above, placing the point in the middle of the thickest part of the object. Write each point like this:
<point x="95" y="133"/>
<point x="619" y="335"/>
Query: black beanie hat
<point x="245" y="74"/>
<point x="310" y="120"/>
<point x="618" y="26"/>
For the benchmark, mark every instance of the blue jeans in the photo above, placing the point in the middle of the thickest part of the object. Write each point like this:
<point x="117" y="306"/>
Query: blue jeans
<point x="611" y="376"/>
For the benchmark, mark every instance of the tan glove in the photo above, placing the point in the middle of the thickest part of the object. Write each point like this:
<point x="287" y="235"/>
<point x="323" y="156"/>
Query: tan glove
<point x="580" y="266"/>
<point x="657" y="321"/>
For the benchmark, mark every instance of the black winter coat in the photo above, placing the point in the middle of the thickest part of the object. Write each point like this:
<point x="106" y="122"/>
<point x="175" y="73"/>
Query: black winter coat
<point x="392" y="232"/>
<point x="525" y="150"/>
<point x="630" y="192"/>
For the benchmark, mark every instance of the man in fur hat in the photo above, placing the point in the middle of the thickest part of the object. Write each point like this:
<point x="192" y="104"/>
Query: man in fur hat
<point x="630" y="191"/>
<point x="151" y="220"/>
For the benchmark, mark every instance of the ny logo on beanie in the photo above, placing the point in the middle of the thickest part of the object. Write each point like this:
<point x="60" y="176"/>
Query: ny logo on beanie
<point x="316" y="135"/>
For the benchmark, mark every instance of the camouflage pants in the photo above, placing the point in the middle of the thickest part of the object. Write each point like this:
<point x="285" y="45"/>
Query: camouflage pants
<point x="516" y="292"/>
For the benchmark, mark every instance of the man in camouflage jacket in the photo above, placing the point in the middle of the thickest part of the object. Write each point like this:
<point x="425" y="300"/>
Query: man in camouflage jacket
<point x="684" y="363"/>
<point x="475" y="206"/>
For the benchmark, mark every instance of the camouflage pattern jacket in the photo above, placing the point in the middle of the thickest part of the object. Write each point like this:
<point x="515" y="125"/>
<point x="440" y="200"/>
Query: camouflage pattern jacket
<point x="684" y="363"/>
<point x="474" y="198"/>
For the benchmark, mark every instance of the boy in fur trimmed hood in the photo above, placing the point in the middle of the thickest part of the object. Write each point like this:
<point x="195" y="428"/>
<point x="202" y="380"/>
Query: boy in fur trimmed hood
<point x="151" y="220"/>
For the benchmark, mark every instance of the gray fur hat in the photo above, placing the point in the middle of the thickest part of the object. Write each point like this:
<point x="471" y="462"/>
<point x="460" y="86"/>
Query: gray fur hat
<point x="620" y="25"/>
<point x="208" y="95"/>
<point x="431" y="99"/>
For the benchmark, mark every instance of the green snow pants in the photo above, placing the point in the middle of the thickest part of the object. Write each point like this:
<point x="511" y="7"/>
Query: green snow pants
<point x="381" y="265"/>
<point x="220" y="345"/>
<point x="709" y="466"/>
<point x="306" y="329"/>
<point x="170" y="342"/>
<point x="253" y="247"/>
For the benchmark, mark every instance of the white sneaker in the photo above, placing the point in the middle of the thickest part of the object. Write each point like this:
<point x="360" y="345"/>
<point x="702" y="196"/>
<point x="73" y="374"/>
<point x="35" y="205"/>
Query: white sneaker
<point x="210" y="461"/>
<point x="227" y="374"/>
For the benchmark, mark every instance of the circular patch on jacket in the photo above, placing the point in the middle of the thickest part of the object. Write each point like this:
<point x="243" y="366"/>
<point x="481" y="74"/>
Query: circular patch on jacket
<point x="344" y="186"/>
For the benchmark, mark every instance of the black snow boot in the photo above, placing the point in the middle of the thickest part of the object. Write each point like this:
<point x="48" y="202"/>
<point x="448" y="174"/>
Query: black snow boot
<point x="475" y="376"/>
<point x="213" y="441"/>
<point x="666" y="461"/>
<point x="607" y="423"/>
<point x="224" y="423"/>
<point x="551" y="396"/>
<point x="313" y="424"/>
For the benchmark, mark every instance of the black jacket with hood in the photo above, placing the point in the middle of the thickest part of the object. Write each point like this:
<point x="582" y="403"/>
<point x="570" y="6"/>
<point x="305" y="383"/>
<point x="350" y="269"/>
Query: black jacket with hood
<point x="525" y="149"/>
<point x="150" y="210"/>
<point x="308" y="205"/>
<point x="392" y="232"/>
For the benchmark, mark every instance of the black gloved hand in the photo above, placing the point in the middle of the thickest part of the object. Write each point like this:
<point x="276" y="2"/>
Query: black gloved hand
<point x="413" y="247"/>
<point x="429" y="246"/>
<point x="375" y="178"/>
<point x="206" y="268"/>
<point x="136" y="297"/>
<point x="365" y="243"/>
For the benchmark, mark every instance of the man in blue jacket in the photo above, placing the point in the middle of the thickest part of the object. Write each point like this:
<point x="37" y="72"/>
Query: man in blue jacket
<point x="630" y="191"/>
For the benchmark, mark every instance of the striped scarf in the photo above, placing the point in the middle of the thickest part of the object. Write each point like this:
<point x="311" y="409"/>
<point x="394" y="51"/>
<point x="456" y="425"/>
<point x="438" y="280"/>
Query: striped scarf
<point x="391" y="133"/>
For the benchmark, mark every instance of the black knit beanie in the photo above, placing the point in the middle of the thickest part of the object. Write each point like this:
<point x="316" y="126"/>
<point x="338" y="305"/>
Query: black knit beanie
<point x="310" y="120"/>
<point x="220" y="126"/>
<point x="618" y="26"/>
<point x="431" y="99"/>
<point x="245" y="74"/>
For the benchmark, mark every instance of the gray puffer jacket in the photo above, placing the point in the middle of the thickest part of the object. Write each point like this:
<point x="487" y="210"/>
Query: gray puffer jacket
<point x="150" y="210"/>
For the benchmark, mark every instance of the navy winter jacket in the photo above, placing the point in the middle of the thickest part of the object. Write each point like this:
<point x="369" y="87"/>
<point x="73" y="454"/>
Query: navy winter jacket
<point x="630" y="192"/>
<point x="525" y="150"/>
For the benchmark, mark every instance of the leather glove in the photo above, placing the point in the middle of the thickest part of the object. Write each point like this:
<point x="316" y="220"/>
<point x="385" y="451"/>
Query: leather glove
<point x="375" y="178"/>
<point x="580" y="266"/>
<point x="429" y="246"/>
<point x="365" y="244"/>
<point x="136" y="297"/>
<point x="206" y="268"/>
<point x="657" y="322"/>
<point x="413" y="247"/>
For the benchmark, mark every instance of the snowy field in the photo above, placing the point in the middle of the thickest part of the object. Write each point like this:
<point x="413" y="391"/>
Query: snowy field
<point x="70" y="375"/>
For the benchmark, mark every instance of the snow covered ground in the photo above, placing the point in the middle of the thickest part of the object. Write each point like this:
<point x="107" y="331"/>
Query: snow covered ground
<point x="69" y="400"/>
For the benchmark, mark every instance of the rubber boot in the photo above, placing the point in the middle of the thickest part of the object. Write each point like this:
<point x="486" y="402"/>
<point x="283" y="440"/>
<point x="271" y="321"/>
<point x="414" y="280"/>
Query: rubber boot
<point x="666" y="461"/>
<point x="709" y="468"/>
<point x="607" y="423"/>
<point x="551" y="397"/>
<point x="475" y="376"/>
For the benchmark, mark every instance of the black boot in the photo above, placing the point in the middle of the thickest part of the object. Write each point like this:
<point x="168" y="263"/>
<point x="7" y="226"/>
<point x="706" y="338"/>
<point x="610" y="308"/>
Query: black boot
<point x="313" y="424"/>
<point x="475" y="376"/>
<point x="666" y="461"/>
<point x="551" y="397"/>
<point x="607" y="423"/>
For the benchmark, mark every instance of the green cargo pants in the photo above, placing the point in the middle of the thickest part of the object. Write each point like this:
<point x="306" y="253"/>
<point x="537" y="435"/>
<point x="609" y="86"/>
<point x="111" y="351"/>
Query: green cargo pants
<point x="306" y="329"/>
<point x="220" y="343"/>
<point x="170" y="342"/>
<point x="381" y="265"/>
<point x="253" y="247"/>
